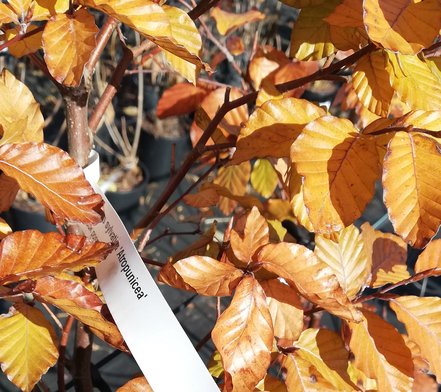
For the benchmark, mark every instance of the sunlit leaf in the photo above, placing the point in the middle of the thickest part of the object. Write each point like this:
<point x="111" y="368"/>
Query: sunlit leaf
<point x="388" y="255"/>
<point x="273" y="128"/>
<point x="254" y="235"/>
<point x="26" y="45"/>
<point x="285" y="308"/>
<point x="326" y="351"/>
<point x="380" y="352"/>
<point x="208" y="276"/>
<point x="412" y="188"/>
<point x="310" y="38"/>
<point x="264" y="178"/>
<point x="235" y="45"/>
<point x="347" y="258"/>
<point x="415" y="82"/>
<point x="270" y="383"/>
<point x="5" y="229"/>
<point x="138" y="384"/>
<point x="8" y="191"/>
<point x="314" y="279"/>
<point x="20" y="118"/>
<point x="182" y="98"/>
<point x="387" y="23"/>
<point x="430" y="258"/>
<point x="28" y="345"/>
<point x="421" y="317"/>
<point x="54" y="179"/>
<point x="340" y="167"/>
<point x="300" y="211"/>
<point x="371" y="83"/>
<point x="31" y="254"/>
<point x="68" y="41"/>
<point x="74" y="298"/>
<point x="234" y="178"/>
<point x="226" y="22"/>
<point x="243" y="335"/>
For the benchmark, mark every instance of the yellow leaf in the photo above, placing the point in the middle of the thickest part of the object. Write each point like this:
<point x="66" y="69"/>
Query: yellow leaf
<point x="243" y="334"/>
<point x="339" y="166"/>
<point x="387" y="253"/>
<point x="310" y="38"/>
<point x="415" y="82"/>
<point x="264" y="178"/>
<point x="347" y="258"/>
<point x="421" y="317"/>
<point x="226" y="22"/>
<point x="285" y="308"/>
<point x="326" y="351"/>
<point x="68" y="41"/>
<point x="360" y="379"/>
<point x="215" y="366"/>
<point x="4" y="229"/>
<point x="388" y="23"/>
<point x="430" y="258"/>
<point x="185" y="33"/>
<point x="20" y="118"/>
<point x="412" y="187"/>
<point x="273" y="127"/>
<point x="300" y="210"/>
<point x="314" y="279"/>
<point x="24" y="46"/>
<point x="44" y="9"/>
<point x="138" y="384"/>
<point x="235" y="179"/>
<point x="28" y="345"/>
<point x="380" y="352"/>
<point x="371" y="83"/>
<point x="8" y="191"/>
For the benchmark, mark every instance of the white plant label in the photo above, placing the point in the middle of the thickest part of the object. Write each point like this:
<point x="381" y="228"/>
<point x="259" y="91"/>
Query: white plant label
<point x="153" y="334"/>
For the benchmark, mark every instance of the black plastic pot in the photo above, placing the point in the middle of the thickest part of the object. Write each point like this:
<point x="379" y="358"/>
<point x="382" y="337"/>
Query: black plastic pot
<point x="122" y="201"/>
<point x="29" y="219"/>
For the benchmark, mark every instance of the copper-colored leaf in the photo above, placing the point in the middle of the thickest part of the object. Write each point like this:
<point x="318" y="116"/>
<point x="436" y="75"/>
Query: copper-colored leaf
<point x="310" y="38"/>
<point x="347" y="258"/>
<point x="24" y="46"/>
<point x="20" y="118"/>
<point x="380" y="352"/>
<point x="182" y="98"/>
<point x="54" y="179"/>
<point x="388" y="255"/>
<point x="285" y="308"/>
<point x="254" y="235"/>
<point x="412" y="187"/>
<point x="204" y="198"/>
<point x="314" y="279"/>
<point x="28" y="345"/>
<point x="68" y="41"/>
<point x="430" y="258"/>
<point x="340" y="167"/>
<point x="208" y="276"/>
<point x="138" y="384"/>
<point x="226" y="22"/>
<point x="421" y="317"/>
<point x="243" y="335"/>
<point x="273" y="128"/>
<point x="74" y="298"/>
<point x="326" y="351"/>
<point x="387" y="23"/>
<point x="8" y="191"/>
<point x="371" y="83"/>
<point x="235" y="45"/>
<point x="31" y="254"/>
<point x="235" y="179"/>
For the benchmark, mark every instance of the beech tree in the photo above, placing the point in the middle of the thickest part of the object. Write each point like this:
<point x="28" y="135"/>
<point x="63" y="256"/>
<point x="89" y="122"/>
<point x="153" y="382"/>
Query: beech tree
<point x="271" y="156"/>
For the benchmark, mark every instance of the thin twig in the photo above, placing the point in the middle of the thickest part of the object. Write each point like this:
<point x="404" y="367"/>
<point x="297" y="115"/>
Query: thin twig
<point x="167" y="233"/>
<point x="152" y="262"/>
<point x="20" y="37"/>
<point x="202" y="8"/>
<point x="53" y="316"/>
<point x="203" y="341"/>
<point x="62" y="353"/>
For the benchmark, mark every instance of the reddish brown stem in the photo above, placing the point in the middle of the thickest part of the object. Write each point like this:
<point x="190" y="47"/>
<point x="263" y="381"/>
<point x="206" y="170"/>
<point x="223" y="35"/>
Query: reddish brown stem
<point x="20" y="37"/>
<point x="152" y="262"/>
<point x="202" y="8"/>
<point x="62" y="353"/>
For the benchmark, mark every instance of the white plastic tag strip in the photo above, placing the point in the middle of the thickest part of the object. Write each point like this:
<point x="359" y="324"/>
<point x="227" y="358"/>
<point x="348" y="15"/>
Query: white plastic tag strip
<point x="153" y="334"/>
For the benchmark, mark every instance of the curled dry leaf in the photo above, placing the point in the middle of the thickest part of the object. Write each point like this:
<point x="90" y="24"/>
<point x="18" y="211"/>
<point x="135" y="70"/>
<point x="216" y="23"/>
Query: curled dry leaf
<point x="8" y="191"/>
<point x="412" y="187"/>
<point x="347" y="258"/>
<point x="208" y="276"/>
<point x="381" y="353"/>
<point x="226" y="22"/>
<point x="314" y="279"/>
<point x="388" y="255"/>
<point x="54" y="179"/>
<point x="244" y="335"/>
<point x="138" y="384"/>
<point x="74" y="298"/>
<point x="31" y="254"/>
<point x="68" y="41"/>
<point x="339" y="166"/>
<point x="28" y="345"/>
